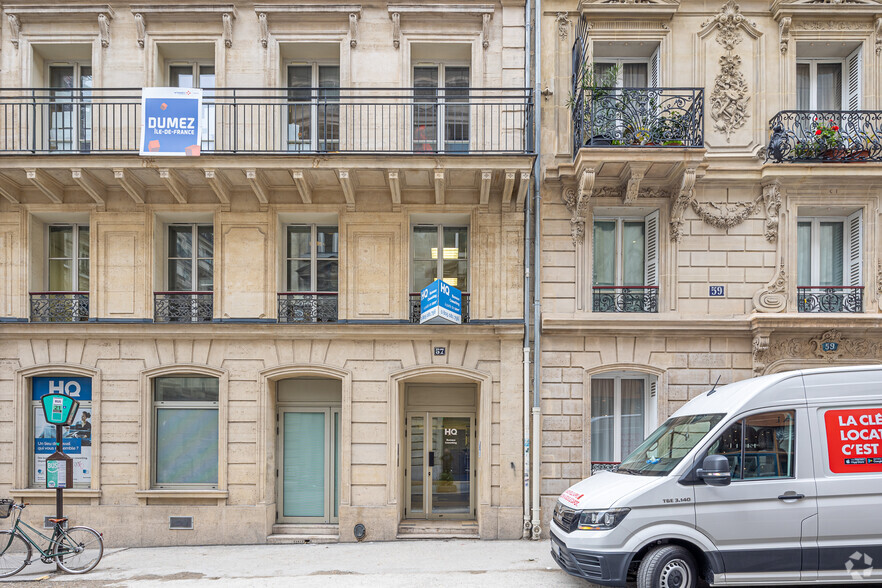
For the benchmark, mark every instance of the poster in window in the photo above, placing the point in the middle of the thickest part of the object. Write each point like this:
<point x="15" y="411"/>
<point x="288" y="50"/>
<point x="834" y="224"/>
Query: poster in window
<point x="77" y="443"/>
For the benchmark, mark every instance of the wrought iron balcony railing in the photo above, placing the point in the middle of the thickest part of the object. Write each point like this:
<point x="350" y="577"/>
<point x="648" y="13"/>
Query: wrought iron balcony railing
<point x="625" y="299"/>
<point x="638" y="117"/>
<point x="279" y="120"/>
<point x="604" y="466"/>
<point x="59" y="307"/>
<point x="415" y="307"/>
<point x="825" y="136"/>
<point x="183" y="307"/>
<point x="307" y="307"/>
<point x="830" y="298"/>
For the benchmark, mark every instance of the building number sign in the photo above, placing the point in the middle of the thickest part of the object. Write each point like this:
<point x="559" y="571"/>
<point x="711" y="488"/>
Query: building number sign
<point x="717" y="291"/>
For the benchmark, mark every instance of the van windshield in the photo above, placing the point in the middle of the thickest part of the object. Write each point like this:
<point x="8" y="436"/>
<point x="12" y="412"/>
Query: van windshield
<point x="663" y="450"/>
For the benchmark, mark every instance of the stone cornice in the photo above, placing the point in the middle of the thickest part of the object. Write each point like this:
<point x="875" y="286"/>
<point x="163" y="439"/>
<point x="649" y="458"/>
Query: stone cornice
<point x="52" y="12"/>
<point x="629" y="9"/>
<point x="307" y="9"/>
<point x="826" y="11"/>
<point x="445" y="10"/>
<point x="179" y="11"/>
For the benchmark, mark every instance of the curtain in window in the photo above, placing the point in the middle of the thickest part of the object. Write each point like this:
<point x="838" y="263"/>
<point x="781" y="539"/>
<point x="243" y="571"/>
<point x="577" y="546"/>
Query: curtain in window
<point x="831" y="260"/>
<point x="605" y="253"/>
<point x="804" y="254"/>
<point x="602" y="419"/>
<point x="634" y="253"/>
<point x="633" y="415"/>
<point x="829" y="86"/>
<point x="634" y="75"/>
<point x="803" y="86"/>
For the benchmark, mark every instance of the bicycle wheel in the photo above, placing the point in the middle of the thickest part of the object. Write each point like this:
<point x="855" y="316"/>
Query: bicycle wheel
<point x="15" y="553"/>
<point x="81" y="549"/>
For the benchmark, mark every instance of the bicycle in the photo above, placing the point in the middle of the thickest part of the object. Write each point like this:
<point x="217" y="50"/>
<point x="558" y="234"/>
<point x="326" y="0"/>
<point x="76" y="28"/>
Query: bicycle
<point x="76" y="550"/>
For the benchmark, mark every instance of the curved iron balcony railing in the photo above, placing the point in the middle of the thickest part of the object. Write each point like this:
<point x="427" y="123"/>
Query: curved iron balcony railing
<point x="279" y="120"/>
<point x="415" y="307"/>
<point x="604" y="466"/>
<point x="59" y="307"/>
<point x="638" y="117"/>
<point x="183" y="307"/>
<point x="825" y="136"/>
<point x="830" y="298"/>
<point x="307" y="307"/>
<point x="625" y="299"/>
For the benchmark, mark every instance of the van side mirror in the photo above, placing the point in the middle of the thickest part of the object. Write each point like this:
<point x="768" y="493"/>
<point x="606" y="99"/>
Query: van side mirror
<point x="714" y="471"/>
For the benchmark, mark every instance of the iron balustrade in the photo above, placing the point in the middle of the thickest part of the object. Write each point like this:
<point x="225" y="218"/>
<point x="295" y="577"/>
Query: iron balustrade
<point x="183" y="307"/>
<point x="625" y="299"/>
<point x="825" y="136"/>
<point x="830" y="298"/>
<point x="59" y="307"/>
<point x="415" y="313"/>
<point x="307" y="307"/>
<point x="604" y="466"/>
<point x="278" y="120"/>
<point x="638" y="117"/>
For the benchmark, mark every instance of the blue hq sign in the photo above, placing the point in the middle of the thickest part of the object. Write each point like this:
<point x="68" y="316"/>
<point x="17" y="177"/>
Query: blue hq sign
<point x="171" y="122"/>
<point x="440" y="303"/>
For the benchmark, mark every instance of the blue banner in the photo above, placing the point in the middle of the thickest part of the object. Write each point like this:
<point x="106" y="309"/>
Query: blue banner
<point x="171" y="121"/>
<point x="440" y="303"/>
<point x="79" y="389"/>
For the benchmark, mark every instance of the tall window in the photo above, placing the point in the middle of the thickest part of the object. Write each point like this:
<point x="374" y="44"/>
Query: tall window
<point x="441" y="110"/>
<point x="829" y="263"/>
<point x="312" y="258"/>
<point x="625" y="269"/>
<point x="621" y="414"/>
<point x="829" y="83"/>
<point x="440" y="252"/>
<point x="68" y="258"/>
<point x="70" y="110"/>
<point x="313" y="107"/>
<point x="198" y="75"/>
<point x="185" y="433"/>
<point x="190" y="258"/>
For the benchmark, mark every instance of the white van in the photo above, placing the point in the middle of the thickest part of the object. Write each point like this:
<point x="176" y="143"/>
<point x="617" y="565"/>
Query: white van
<point x="774" y="480"/>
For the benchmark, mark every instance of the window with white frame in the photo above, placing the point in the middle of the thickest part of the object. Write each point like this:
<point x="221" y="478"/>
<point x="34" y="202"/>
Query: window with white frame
<point x="441" y="112"/>
<point x="67" y="263"/>
<point x="185" y="431"/>
<point x="190" y="256"/>
<point x="829" y="263"/>
<point x="70" y="109"/>
<point x="198" y="74"/>
<point x="623" y="407"/>
<point x="625" y="264"/>
<point x="313" y="106"/>
<point x="827" y="83"/>
<point x="439" y="252"/>
<point x="312" y="258"/>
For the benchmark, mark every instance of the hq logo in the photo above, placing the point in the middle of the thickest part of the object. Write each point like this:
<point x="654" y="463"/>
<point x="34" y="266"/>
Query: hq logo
<point x="68" y="388"/>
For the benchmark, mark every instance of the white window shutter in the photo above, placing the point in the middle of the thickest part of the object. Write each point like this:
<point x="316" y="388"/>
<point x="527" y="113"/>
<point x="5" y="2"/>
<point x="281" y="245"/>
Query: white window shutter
<point x="853" y="86"/>
<point x="854" y="250"/>
<point x="650" y="266"/>
<point x="655" y="69"/>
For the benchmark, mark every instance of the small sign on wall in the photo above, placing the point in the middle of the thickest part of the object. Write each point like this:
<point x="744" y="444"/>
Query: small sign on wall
<point x="717" y="291"/>
<point x="440" y="351"/>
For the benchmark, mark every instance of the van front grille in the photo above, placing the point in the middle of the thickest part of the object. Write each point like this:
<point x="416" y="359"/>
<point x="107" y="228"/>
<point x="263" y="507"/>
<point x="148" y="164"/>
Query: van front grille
<point x="566" y="517"/>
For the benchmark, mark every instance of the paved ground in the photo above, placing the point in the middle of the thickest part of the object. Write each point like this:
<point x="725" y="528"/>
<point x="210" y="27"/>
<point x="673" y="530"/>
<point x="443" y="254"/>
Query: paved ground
<point x="402" y="563"/>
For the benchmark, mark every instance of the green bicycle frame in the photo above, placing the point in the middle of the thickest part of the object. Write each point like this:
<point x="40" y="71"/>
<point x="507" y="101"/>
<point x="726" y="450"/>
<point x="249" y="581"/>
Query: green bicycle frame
<point x="52" y="541"/>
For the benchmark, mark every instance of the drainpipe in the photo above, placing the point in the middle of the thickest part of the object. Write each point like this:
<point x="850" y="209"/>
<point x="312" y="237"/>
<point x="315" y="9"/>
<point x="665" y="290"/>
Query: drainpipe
<point x="537" y="214"/>
<point x="527" y="530"/>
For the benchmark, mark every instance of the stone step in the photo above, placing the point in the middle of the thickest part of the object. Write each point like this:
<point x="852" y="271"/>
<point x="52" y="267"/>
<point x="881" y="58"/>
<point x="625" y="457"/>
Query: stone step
<point x="304" y="529"/>
<point x="292" y="539"/>
<point x="438" y="530"/>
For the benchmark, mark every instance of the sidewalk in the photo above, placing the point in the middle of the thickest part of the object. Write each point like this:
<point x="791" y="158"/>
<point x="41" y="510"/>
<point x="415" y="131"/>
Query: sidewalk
<point x="400" y="563"/>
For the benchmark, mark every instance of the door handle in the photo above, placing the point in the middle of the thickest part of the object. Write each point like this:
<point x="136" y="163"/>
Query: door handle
<point x="431" y="459"/>
<point x="791" y="496"/>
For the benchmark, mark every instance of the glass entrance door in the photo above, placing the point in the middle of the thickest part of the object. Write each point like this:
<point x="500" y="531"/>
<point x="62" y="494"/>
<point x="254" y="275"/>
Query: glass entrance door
<point x="309" y="474"/>
<point x="440" y="467"/>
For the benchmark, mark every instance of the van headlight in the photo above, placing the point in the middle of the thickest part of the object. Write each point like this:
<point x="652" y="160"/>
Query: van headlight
<point x="601" y="520"/>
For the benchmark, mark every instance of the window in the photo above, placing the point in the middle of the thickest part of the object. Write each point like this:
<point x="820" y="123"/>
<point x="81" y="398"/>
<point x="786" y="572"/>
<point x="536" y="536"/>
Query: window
<point x="829" y="264"/>
<point x="625" y="269"/>
<point x="198" y="75"/>
<point x="631" y="72"/>
<point x="77" y="441"/>
<point x="70" y="110"/>
<point x="440" y="252"/>
<point x="819" y="82"/>
<point x="189" y="275"/>
<point x="313" y="107"/>
<point x="441" y="110"/>
<point x="312" y="258"/>
<point x="621" y="414"/>
<point x="68" y="258"/>
<point x="185" y="431"/>
<point x="762" y="446"/>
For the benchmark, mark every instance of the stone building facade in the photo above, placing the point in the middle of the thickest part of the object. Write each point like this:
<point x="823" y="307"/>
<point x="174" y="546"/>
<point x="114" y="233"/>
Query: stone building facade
<point x="243" y="325"/>
<point x="679" y="251"/>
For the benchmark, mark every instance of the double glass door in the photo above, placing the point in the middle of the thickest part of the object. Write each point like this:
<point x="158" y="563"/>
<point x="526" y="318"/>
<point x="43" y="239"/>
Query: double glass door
<point x="441" y="467"/>
<point x="309" y="458"/>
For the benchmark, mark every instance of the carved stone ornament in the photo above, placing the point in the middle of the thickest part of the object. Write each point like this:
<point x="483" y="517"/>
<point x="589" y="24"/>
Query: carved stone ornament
<point x="878" y="33"/>
<point x="15" y="28"/>
<point x="772" y="202"/>
<point x="773" y="297"/>
<point x="830" y="345"/>
<point x="264" y="29"/>
<point x="140" y="28"/>
<point x="228" y="29"/>
<point x="563" y="25"/>
<point x="724" y="215"/>
<point x="396" y="29"/>
<point x="729" y="97"/>
<point x="631" y="2"/>
<point x="879" y="278"/>
<point x="577" y="204"/>
<point x="353" y="29"/>
<point x="684" y="197"/>
<point x="760" y="346"/>
<point x="728" y="22"/>
<point x="485" y="30"/>
<point x="784" y="30"/>
<point x="104" y="30"/>
<point x="834" y="25"/>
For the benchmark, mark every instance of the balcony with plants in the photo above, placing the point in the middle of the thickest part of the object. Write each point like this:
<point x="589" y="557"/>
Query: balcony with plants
<point x="841" y="136"/>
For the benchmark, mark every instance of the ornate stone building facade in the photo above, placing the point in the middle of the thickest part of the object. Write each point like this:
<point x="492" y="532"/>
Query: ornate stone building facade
<point x="710" y="204"/>
<point x="243" y="325"/>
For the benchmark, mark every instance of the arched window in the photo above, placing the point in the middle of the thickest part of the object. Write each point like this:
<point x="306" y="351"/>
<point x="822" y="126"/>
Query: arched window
<point x="623" y="408"/>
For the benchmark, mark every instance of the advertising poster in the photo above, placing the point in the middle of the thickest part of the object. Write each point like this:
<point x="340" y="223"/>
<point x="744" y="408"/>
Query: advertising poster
<point x="171" y="122"/>
<point x="854" y="440"/>
<point x="77" y="441"/>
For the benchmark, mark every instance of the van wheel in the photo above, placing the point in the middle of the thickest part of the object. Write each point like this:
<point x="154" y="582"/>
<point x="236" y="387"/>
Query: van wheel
<point x="667" y="566"/>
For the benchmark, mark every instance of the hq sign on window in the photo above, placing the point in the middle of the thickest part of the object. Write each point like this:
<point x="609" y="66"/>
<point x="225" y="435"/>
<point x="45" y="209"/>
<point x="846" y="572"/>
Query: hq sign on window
<point x="171" y="122"/>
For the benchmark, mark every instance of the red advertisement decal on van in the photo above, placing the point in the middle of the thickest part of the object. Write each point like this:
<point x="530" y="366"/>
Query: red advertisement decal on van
<point x="854" y="440"/>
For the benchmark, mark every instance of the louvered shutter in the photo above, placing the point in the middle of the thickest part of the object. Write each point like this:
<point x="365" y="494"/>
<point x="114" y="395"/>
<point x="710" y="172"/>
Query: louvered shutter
<point x="650" y="277"/>
<point x="655" y="69"/>
<point x="853" y="85"/>
<point x="854" y="250"/>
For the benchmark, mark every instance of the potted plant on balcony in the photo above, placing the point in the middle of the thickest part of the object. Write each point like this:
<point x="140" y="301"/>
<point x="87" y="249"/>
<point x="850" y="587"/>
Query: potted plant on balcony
<point x="829" y="141"/>
<point x="599" y="109"/>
